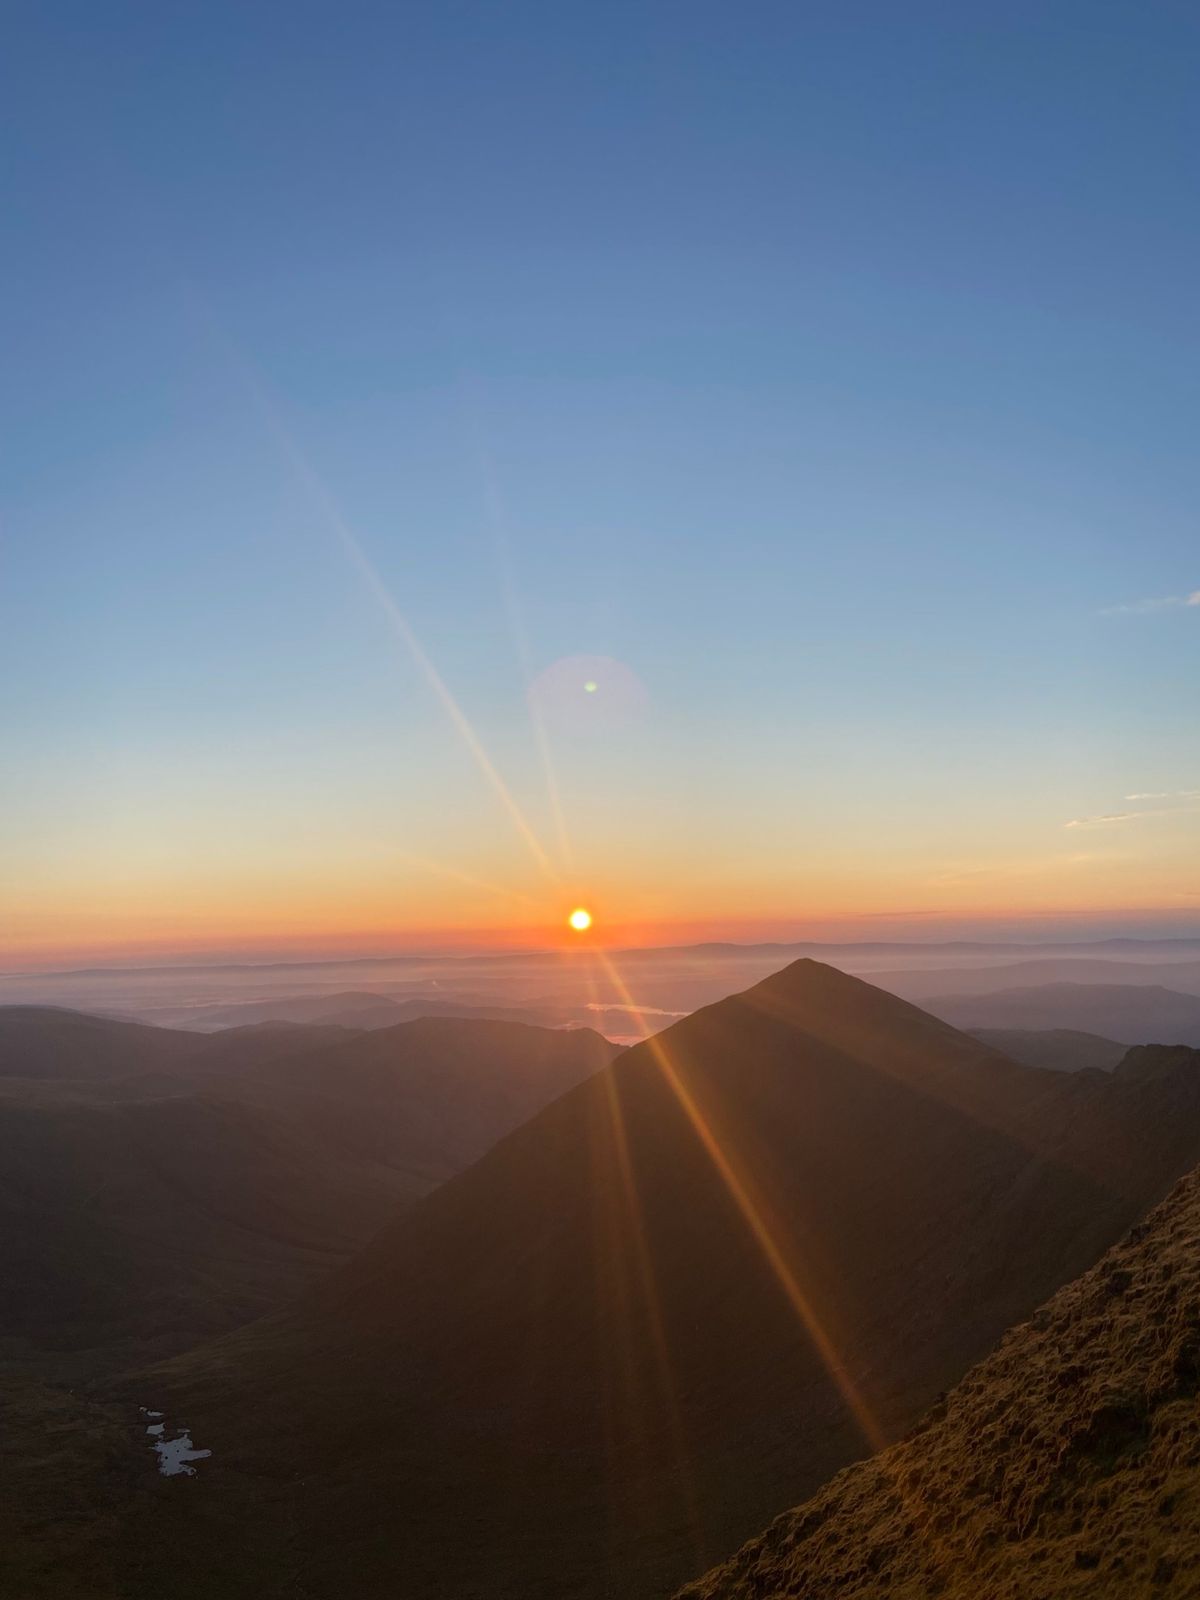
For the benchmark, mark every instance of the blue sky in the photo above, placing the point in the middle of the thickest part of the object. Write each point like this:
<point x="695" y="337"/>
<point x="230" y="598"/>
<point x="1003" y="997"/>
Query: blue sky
<point x="831" y="367"/>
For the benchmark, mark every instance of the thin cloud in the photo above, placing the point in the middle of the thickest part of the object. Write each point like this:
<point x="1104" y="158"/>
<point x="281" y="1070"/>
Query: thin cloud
<point x="1115" y="817"/>
<point x="1168" y="794"/>
<point x="1141" y="608"/>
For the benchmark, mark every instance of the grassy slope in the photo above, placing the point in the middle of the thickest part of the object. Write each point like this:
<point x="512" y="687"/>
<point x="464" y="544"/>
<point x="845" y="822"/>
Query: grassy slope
<point x="1067" y="1464"/>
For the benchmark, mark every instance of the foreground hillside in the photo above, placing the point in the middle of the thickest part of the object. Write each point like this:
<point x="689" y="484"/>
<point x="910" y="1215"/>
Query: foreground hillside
<point x="746" y="1254"/>
<point x="1068" y="1463"/>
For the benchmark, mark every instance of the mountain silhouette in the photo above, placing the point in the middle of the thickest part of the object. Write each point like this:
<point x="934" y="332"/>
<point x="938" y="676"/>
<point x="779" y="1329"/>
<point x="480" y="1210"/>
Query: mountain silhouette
<point x="355" y="1008"/>
<point x="50" y="1042"/>
<point x="1060" y="1049"/>
<point x="162" y="1186"/>
<point x="1128" y="1013"/>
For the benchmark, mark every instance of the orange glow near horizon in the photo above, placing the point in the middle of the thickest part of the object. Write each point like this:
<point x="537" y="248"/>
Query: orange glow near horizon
<point x="121" y="928"/>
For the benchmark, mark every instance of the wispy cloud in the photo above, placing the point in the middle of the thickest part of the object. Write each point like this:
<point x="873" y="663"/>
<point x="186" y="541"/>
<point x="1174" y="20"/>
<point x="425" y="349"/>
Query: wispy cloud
<point x="1141" y="608"/>
<point x="1167" y="794"/>
<point x="1111" y="818"/>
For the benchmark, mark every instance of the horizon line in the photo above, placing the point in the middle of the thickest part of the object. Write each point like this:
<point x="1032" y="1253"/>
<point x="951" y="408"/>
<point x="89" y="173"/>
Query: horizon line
<point x="417" y="958"/>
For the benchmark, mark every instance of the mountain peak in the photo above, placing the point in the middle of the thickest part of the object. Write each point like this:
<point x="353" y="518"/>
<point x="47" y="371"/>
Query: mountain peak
<point x="823" y="988"/>
<point x="871" y="1025"/>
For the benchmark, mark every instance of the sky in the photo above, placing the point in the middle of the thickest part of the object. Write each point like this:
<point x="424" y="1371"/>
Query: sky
<point x="731" y="467"/>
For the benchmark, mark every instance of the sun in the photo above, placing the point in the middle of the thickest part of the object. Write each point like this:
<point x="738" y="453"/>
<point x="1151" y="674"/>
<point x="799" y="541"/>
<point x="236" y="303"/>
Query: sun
<point x="580" y="920"/>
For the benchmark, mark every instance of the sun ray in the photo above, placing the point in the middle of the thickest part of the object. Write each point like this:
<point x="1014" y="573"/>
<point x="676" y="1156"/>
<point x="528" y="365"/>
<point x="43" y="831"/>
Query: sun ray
<point x="760" y="1229"/>
<point x="497" y="521"/>
<point x="634" y="1229"/>
<point x="335" y="520"/>
<point x="456" y="875"/>
<point x="520" y="639"/>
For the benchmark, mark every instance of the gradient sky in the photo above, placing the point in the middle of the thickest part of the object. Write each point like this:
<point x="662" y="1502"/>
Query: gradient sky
<point x="826" y="374"/>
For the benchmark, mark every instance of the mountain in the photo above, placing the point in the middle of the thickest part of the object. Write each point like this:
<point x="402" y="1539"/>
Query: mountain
<point x="747" y="1252"/>
<point x="1059" y="1049"/>
<point x="427" y="1097"/>
<point x="1066" y="1463"/>
<point x="179" y="1184"/>
<point x="1128" y="1013"/>
<point x="60" y="1047"/>
<point x="49" y="1042"/>
<point x="151" y="1221"/>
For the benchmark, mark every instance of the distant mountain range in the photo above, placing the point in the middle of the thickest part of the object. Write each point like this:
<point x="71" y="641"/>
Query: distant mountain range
<point x="157" y="1186"/>
<point x="923" y="983"/>
<point x="1127" y="1013"/>
<point x="1059" y="1049"/>
<point x="571" y="988"/>
<point x="830" y="951"/>
<point x="355" y="1008"/>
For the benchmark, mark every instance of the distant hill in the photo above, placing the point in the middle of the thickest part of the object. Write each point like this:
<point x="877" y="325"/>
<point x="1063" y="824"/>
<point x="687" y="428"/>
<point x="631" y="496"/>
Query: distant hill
<point x="675" y="1300"/>
<point x="353" y="1009"/>
<point x="177" y="1184"/>
<point x="74" y="1047"/>
<point x="426" y="1097"/>
<point x="1127" y="1013"/>
<point x="1058" y="1049"/>
<point x="49" y="1042"/>
<point x="921" y="983"/>
<point x="1068" y="1463"/>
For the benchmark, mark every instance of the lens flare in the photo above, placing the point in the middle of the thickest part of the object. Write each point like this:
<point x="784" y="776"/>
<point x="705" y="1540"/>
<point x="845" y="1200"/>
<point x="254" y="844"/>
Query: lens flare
<point x="580" y="920"/>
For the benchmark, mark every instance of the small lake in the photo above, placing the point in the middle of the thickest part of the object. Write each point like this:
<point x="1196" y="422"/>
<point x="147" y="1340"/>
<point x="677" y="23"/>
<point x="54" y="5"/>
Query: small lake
<point x="175" y="1455"/>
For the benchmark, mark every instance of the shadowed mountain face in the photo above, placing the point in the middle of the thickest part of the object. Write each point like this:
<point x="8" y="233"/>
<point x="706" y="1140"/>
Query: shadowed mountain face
<point x="157" y="1187"/>
<point x="45" y="1042"/>
<point x="681" y="1296"/>
<point x="1127" y="1013"/>
<point x="1067" y="1463"/>
<point x="428" y="1096"/>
